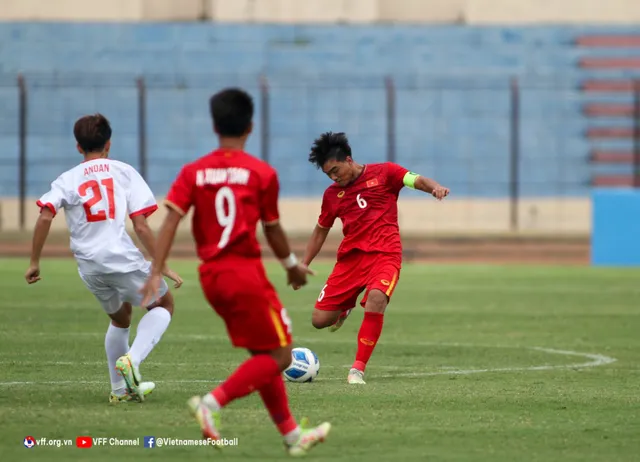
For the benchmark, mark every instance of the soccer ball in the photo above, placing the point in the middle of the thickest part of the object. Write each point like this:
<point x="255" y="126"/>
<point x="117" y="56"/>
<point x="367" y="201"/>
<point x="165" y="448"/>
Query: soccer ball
<point x="304" y="366"/>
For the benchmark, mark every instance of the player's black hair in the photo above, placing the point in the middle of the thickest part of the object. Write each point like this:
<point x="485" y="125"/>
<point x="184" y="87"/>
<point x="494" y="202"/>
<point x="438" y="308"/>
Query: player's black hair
<point x="327" y="146"/>
<point x="92" y="132"/>
<point x="232" y="112"/>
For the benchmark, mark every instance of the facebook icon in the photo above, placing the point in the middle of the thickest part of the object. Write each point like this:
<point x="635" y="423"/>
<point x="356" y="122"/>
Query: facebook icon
<point x="149" y="441"/>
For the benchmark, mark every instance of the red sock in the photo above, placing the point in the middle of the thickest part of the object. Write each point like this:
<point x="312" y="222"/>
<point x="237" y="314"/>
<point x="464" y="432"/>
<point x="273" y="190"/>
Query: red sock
<point x="252" y="375"/>
<point x="274" y="396"/>
<point x="368" y="336"/>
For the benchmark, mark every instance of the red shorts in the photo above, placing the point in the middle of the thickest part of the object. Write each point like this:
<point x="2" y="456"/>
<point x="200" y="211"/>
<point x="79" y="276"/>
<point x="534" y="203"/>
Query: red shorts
<point x="356" y="272"/>
<point x="240" y="292"/>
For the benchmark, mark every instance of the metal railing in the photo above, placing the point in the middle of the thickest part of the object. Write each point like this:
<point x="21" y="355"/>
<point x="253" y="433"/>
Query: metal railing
<point x="515" y="125"/>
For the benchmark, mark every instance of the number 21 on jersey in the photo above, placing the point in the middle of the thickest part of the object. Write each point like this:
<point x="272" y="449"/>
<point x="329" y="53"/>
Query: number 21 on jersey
<point x="92" y="188"/>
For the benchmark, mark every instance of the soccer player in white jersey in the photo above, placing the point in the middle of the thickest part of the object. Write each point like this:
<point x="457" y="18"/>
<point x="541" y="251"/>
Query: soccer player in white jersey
<point x="97" y="195"/>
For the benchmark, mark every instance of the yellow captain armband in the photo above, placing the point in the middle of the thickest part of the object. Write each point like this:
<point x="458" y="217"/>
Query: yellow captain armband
<point x="409" y="179"/>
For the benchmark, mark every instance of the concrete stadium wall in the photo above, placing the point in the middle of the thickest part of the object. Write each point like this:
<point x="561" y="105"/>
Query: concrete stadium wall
<point x="328" y="11"/>
<point x="416" y="215"/>
<point x="337" y="11"/>
<point x="100" y="10"/>
<point x="552" y="11"/>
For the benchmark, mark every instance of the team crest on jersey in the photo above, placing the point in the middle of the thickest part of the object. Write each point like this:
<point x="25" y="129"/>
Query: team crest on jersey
<point x="340" y="194"/>
<point x="372" y="183"/>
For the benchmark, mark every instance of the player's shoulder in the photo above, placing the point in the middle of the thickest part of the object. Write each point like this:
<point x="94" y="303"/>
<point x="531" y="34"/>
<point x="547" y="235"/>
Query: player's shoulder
<point x="121" y="165"/>
<point x="258" y="165"/>
<point x="264" y="171"/>
<point x="380" y="167"/>
<point x="332" y="191"/>
<point x="258" y="170"/>
<point x="70" y="177"/>
<point x="384" y="170"/>
<point x="105" y="165"/>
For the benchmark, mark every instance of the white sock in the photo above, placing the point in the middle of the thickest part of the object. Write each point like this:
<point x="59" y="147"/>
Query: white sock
<point x="149" y="332"/>
<point x="211" y="402"/>
<point x="293" y="436"/>
<point x="116" y="344"/>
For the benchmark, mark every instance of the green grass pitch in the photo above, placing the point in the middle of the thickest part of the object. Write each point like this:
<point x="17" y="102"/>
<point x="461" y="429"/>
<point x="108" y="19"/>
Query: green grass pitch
<point x="475" y="363"/>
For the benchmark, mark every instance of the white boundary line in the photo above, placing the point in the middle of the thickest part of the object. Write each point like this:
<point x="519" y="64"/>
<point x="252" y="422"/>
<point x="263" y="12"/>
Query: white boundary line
<point x="595" y="360"/>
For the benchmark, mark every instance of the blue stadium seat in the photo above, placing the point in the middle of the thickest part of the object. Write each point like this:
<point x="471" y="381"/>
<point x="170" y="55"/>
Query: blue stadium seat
<point x="453" y="106"/>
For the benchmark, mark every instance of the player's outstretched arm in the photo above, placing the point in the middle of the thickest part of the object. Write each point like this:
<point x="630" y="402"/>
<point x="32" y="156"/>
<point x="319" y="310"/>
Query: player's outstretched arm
<point x="40" y="234"/>
<point x="277" y="240"/>
<point x="427" y="185"/>
<point x="163" y="247"/>
<point x="145" y="234"/>
<point x="316" y="241"/>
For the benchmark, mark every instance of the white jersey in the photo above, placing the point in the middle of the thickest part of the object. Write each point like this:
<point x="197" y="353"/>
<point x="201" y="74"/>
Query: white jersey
<point x="97" y="196"/>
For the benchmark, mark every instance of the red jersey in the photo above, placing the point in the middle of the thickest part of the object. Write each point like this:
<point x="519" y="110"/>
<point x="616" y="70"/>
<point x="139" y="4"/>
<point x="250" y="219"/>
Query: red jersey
<point x="368" y="208"/>
<point x="230" y="191"/>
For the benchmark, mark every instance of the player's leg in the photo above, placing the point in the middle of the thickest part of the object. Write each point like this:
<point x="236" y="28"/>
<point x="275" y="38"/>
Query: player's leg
<point x="338" y="296"/>
<point x="298" y="438"/>
<point x="116" y="341"/>
<point x="237" y="292"/>
<point x="384" y="277"/>
<point x="116" y="344"/>
<point x="150" y="329"/>
<point x="259" y="323"/>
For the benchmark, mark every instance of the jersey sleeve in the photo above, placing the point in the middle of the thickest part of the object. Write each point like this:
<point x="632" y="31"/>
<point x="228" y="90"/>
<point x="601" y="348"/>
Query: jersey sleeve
<point x="56" y="198"/>
<point x="269" y="213"/>
<point x="140" y="198"/>
<point x="180" y="195"/>
<point x="395" y="176"/>
<point x="327" y="213"/>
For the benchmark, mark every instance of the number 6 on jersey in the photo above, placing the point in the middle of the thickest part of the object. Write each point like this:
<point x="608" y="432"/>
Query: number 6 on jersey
<point x="226" y="215"/>
<point x="361" y="202"/>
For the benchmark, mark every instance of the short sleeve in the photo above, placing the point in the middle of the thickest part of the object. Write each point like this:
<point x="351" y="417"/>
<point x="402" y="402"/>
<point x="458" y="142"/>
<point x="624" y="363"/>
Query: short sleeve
<point x="269" y="213"/>
<point x="327" y="213"/>
<point x="56" y="198"/>
<point x="140" y="198"/>
<point x="395" y="176"/>
<point x="180" y="195"/>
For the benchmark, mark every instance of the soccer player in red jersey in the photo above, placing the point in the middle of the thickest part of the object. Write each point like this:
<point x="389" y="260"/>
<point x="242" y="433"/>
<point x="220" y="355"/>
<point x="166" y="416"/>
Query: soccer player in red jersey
<point x="365" y="198"/>
<point x="229" y="192"/>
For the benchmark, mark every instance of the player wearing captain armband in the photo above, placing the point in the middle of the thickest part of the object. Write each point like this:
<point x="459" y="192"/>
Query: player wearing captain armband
<point x="369" y="259"/>
<point x="97" y="196"/>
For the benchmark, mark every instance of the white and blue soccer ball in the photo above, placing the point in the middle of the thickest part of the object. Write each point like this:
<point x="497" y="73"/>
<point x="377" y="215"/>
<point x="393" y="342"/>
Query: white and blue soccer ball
<point x="304" y="366"/>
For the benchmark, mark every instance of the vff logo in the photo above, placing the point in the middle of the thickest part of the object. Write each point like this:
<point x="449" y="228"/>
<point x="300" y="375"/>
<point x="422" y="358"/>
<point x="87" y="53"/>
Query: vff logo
<point x="29" y="442"/>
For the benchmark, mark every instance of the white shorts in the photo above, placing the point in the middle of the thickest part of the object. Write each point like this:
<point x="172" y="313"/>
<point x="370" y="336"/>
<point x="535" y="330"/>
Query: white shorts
<point x="112" y="290"/>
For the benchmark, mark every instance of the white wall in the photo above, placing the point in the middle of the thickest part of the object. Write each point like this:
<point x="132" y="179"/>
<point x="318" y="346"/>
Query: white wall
<point x="416" y="215"/>
<point x="336" y="11"/>
<point x="328" y="11"/>
<point x="100" y="10"/>
<point x="291" y="11"/>
<point x="552" y="11"/>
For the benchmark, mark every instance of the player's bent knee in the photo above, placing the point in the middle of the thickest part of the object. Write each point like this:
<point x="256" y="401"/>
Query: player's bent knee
<point x="376" y="301"/>
<point x="281" y="355"/>
<point x="166" y="302"/>
<point x="322" y="319"/>
<point x="122" y="317"/>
